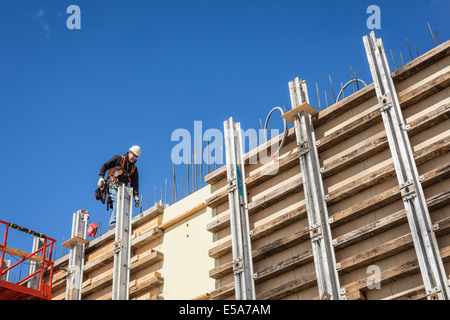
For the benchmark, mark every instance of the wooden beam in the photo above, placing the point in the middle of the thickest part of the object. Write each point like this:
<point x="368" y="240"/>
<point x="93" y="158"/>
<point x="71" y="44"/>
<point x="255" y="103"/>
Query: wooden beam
<point x="223" y="292"/>
<point x="22" y="254"/>
<point x="263" y="230"/>
<point x="386" y="172"/>
<point x="203" y="296"/>
<point x="260" y="253"/>
<point x="139" y="286"/>
<point x="266" y="173"/>
<point x="282" y="267"/>
<point x="392" y="274"/>
<point x="421" y="63"/>
<point x="305" y="282"/>
<point x="357" y="126"/>
<point x="289" y="116"/>
<point x="385" y="198"/>
<point x="378" y="253"/>
<point x="217" y="198"/>
<point x="69" y="242"/>
<point x="417" y="293"/>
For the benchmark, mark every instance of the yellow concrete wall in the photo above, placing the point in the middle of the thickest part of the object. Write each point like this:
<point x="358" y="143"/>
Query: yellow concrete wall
<point x="185" y="244"/>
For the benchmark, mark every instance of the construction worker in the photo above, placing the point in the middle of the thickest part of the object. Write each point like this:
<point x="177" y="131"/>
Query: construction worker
<point x="121" y="170"/>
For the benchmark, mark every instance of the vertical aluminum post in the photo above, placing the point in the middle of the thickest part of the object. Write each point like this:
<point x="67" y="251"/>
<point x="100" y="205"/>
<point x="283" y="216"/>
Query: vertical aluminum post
<point x="6" y="265"/>
<point x="320" y="231"/>
<point x="427" y="249"/>
<point x="240" y="229"/>
<point x="122" y="244"/>
<point x="76" y="258"/>
<point x="34" y="281"/>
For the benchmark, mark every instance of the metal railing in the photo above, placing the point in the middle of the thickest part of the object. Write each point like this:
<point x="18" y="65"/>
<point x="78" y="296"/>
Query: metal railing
<point x="42" y="258"/>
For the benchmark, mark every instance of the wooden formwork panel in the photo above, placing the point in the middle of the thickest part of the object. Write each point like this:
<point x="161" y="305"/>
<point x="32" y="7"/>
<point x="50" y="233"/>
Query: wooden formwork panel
<point x="145" y="278"/>
<point x="369" y="226"/>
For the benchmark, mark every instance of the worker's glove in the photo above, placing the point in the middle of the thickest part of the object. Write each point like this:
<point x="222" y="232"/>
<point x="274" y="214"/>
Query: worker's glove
<point x="100" y="182"/>
<point x="136" y="201"/>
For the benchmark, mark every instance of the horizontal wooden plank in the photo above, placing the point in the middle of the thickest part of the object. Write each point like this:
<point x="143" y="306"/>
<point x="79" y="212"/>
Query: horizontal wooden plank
<point x="392" y="274"/>
<point x="223" y="292"/>
<point x="72" y="240"/>
<point x="264" y="251"/>
<point x="263" y="230"/>
<point x="383" y="199"/>
<point x="203" y="296"/>
<point x="290" y="115"/>
<point x="359" y="125"/>
<point x="289" y="288"/>
<point x="147" y="215"/>
<point x="90" y="286"/>
<point x="417" y="293"/>
<point x="436" y="84"/>
<point x="267" y="173"/>
<point x="138" y="287"/>
<point x="421" y="63"/>
<point x="387" y="172"/>
<point x="377" y="253"/>
<point x="217" y="198"/>
<point x="292" y="263"/>
<point x="21" y="254"/>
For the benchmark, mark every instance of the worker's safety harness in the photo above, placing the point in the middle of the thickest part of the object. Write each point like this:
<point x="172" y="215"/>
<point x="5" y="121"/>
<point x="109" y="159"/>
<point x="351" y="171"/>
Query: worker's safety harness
<point x="116" y="176"/>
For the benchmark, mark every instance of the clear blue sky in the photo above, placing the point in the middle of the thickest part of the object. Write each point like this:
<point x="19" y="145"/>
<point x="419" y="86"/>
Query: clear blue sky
<point x="138" y="70"/>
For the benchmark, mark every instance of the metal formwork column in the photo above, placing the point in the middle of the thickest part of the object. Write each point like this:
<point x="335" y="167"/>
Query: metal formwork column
<point x="320" y="231"/>
<point x="240" y="230"/>
<point x="76" y="257"/>
<point x="427" y="249"/>
<point x="34" y="281"/>
<point x="122" y="244"/>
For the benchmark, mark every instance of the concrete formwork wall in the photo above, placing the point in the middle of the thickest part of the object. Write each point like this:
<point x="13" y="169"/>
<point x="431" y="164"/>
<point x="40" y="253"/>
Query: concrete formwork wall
<point x="184" y="251"/>
<point x="169" y="255"/>
<point x="369" y="226"/>
<point x="145" y="276"/>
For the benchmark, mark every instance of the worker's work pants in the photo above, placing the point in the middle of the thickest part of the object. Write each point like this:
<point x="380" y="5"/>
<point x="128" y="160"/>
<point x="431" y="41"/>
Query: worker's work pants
<point x="112" y="219"/>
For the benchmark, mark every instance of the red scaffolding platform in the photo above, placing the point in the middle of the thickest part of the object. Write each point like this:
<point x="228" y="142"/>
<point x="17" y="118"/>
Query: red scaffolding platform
<point x="42" y="257"/>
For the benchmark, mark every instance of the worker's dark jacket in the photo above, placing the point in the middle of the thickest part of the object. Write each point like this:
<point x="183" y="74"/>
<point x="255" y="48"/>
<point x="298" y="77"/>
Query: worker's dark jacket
<point x="115" y="161"/>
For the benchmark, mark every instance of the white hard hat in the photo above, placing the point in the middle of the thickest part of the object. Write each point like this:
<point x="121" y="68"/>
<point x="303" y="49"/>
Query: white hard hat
<point x="136" y="150"/>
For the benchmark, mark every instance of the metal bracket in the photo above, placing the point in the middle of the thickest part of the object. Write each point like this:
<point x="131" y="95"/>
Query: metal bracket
<point x="408" y="191"/>
<point x="315" y="231"/>
<point x="343" y="294"/>
<point x="117" y="247"/>
<point x="303" y="147"/>
<point x="238" y="265"/>
<point x="385" y="102"/>
<point x="326" y="296"/>
<point x="435" y="294"/>
<point x="231" y="185"/>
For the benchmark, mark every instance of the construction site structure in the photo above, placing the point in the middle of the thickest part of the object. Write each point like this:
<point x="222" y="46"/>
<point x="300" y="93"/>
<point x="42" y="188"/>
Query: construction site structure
<point x="32" y="286"/>
<point x="355" y="206"/>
